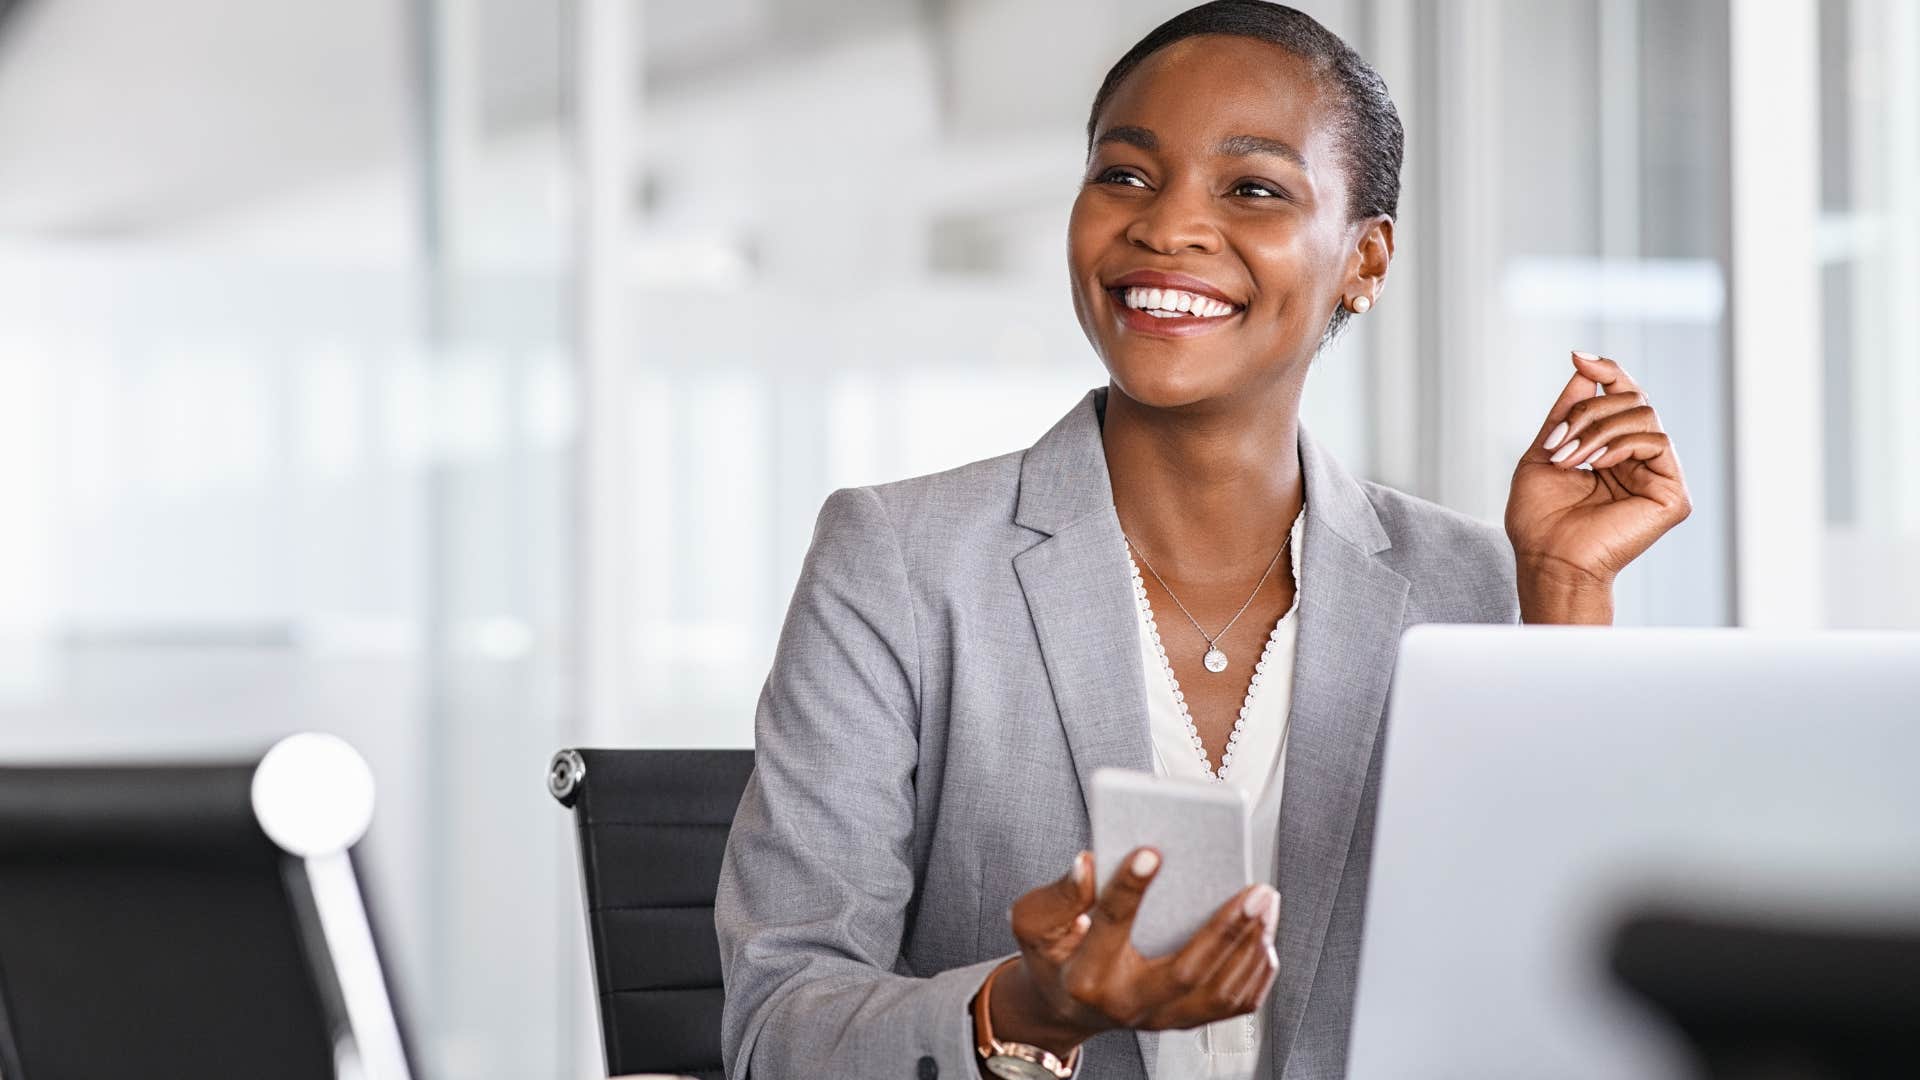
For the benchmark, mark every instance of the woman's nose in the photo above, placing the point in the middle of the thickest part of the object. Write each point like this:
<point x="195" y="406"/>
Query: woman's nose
<point x="1175" y="222"/>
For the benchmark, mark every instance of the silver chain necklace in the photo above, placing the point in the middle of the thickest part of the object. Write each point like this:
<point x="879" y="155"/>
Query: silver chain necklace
<point x="1215" y="659"/>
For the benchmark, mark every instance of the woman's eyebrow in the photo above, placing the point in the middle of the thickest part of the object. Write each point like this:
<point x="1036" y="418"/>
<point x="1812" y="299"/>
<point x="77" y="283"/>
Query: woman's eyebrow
<point x="1232" y="146"/>
<point x="1248" y="145"/>
<point x="1138" y="137"/>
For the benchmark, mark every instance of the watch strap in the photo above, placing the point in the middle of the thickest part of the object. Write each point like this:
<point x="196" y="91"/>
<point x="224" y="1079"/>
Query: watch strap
<point x="991" y="1047"/>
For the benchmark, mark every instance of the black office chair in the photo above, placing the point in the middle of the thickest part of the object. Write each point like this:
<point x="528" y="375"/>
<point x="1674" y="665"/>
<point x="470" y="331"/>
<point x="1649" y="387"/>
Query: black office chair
<point x="1764" y="1002"/>
<point x="653" y="826"/>
<point x="193" y="921"/>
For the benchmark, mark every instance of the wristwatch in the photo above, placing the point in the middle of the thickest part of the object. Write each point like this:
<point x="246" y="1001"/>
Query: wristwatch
<point x="1012" y="1060"/>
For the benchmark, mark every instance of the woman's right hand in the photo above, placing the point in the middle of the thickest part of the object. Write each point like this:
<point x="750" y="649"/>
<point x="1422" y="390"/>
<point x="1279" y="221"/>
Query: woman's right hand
<point x="1078" y="973"/>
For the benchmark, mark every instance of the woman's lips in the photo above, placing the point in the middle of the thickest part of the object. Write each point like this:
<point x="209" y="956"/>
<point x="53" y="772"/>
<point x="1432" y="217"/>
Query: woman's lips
<point x="1174" y="326"/>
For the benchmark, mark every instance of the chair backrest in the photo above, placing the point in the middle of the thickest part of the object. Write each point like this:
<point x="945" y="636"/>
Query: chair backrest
<point x="1771" y="998"/>
<point x="652" y="828"/>
<point x="153" y="923"/>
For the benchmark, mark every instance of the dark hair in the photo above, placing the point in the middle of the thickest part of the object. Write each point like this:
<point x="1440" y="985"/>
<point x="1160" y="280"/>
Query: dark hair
<point x="1370" y="138"/>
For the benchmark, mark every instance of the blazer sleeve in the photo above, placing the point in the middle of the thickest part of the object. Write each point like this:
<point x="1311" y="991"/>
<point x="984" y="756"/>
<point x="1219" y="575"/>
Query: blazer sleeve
<point x="818" y="874"/>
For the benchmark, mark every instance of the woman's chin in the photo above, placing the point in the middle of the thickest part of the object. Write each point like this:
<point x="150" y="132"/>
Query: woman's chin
<point x="1162" y="382"/>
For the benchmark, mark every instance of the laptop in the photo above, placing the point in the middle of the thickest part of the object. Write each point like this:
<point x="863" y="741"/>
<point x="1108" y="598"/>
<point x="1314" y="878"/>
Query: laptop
<point x="1542" y="788"/>
<point x="193" y="921"/>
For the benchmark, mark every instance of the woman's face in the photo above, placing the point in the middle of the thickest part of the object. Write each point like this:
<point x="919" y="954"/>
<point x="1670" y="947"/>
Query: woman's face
<point x="1215" y="193"/>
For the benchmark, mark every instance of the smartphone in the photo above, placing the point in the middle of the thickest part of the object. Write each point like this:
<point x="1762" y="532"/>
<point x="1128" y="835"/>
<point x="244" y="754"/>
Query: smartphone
<point x="1201" y="832"/>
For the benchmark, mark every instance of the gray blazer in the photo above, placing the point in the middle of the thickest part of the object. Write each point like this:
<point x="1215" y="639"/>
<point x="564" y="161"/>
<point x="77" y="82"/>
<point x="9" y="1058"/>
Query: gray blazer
<point x="959" y="656"/>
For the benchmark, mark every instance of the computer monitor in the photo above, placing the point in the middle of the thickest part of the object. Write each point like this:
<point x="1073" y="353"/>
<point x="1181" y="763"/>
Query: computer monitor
<point x="1540" y="786"/>
<point x="199" y="921"/>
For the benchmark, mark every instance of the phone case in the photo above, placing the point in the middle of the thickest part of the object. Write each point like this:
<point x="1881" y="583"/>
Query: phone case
<point x="1201" y="832"/>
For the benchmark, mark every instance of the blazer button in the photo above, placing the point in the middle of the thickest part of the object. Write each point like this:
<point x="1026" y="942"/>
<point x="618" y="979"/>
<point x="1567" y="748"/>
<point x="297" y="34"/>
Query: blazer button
<point x="929" y="1069"/>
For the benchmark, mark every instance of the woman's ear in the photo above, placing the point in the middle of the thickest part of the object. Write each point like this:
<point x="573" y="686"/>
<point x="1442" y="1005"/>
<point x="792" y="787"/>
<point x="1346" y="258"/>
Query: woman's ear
<point x="1367" y="266"/>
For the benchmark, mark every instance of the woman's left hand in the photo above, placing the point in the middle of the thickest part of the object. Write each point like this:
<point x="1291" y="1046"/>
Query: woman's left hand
<point x="1573" y="529"/>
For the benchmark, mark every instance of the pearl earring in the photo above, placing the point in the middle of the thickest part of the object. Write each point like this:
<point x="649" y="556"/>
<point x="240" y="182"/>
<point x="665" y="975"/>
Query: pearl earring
<point x="1360" y="304"/>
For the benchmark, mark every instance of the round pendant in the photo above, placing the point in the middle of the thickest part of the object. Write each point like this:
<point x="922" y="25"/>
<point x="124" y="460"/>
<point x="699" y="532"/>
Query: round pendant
<point x="1215" y="660"/>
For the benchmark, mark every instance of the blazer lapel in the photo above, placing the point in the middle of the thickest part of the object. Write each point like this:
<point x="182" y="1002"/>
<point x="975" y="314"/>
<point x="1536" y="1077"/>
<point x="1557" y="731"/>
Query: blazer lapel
<point x="1076" y="587"/>
<point x="1351" y="607"/>
<point x="1075" y="583"/>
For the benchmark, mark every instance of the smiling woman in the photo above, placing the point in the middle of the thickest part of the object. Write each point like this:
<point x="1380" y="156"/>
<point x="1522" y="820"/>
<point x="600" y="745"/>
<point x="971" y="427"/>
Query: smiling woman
<point x="964" y="649"/>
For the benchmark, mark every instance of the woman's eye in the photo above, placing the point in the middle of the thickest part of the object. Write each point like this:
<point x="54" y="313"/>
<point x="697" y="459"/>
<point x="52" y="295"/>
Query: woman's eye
<point x="1257" y="189"/>
<point x="1119" y="176"/>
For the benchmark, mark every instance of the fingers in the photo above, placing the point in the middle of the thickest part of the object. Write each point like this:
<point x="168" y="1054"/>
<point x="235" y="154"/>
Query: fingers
<point x="1599" y="427"/>
<point x="1579" y="388"/>
<point x="1096" y="976"/>
<point x="1577" y="425"/>
<point x="1233" y="987"/>
<point x="1241" y="976"/>
<point x="1255" y="962"/>
<point x="1053" y="918"/>
<point x="1067" y="940"/>
<point x="1221" y="972"/>
<point x="1608" y="375"/>
<point x="1258" y="979"/>
<point x="1215" y="941"/>
<point x="1113" y="912"/>
<point x="1654" y="449"/>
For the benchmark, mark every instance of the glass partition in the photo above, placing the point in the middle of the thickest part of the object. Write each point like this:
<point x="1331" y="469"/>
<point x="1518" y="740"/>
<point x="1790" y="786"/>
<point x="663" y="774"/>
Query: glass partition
<point x="285" y="427"/>
<point x="1870" y="274"/>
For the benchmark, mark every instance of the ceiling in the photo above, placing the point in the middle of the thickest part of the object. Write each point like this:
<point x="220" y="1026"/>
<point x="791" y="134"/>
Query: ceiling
<point x="122" y="117"/>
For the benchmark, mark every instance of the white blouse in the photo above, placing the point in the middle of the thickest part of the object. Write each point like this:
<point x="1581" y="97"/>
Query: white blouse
<point x="1227" y="1049"/>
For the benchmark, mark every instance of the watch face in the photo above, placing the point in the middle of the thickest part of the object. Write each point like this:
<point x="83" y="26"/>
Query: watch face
<point x="1013" y="1068"/>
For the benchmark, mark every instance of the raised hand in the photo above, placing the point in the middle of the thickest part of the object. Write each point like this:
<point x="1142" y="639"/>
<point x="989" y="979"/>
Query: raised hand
<point x="1573" y="529"/>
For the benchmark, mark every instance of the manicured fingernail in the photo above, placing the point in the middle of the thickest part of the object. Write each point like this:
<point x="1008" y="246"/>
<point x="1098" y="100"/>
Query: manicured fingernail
<point x="1079" y="871"/>
<point x="1565" y="452"/>
<point x="1256" y="901"/>
<point x="1595" y="456"/>
<point x="1587" y="356"/>
<point x="1146" y="863"/>
<point x="1554" y="437"/>
<point x="1273" y="909"/>
<point x="1081" y="923"/>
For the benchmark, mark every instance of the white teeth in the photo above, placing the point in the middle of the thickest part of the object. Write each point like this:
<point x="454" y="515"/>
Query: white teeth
<point x="1168" y="303"/>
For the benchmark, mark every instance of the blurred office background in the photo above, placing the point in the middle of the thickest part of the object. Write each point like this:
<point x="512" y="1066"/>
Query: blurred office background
<point x="462" y="376"/>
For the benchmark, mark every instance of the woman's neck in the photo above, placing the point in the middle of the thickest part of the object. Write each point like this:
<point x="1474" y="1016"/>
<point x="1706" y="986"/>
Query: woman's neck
<point x="1208" y="490"/>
